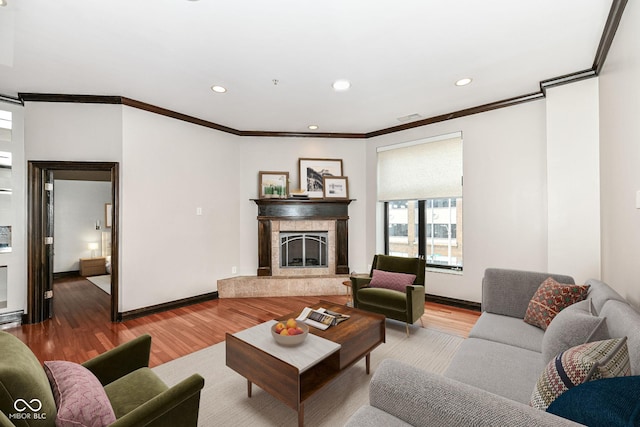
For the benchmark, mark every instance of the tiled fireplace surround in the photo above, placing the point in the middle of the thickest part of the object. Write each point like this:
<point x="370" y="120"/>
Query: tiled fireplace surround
<point x="272" y="280"/>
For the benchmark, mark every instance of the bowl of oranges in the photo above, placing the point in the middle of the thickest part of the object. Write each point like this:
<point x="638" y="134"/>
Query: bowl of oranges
<point x="290" y="332"/>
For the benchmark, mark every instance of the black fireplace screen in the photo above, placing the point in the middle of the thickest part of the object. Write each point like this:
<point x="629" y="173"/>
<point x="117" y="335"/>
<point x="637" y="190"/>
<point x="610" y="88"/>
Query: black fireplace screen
<point x="303" y="249"/>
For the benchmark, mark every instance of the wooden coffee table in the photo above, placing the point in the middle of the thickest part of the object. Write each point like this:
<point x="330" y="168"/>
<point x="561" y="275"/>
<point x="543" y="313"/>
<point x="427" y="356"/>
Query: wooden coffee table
<point x="293" y="374"/>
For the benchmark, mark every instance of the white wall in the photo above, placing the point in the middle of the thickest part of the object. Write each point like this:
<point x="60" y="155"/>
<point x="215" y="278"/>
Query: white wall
<point x="620" y="158"/>
<point x="77" y="207"/>
<point x="169" y="169"/>
<point x="504" y="195"/>
<point x="74" y="132"/>
<point x="573" y="179"/>
<point x="282" y="154"/>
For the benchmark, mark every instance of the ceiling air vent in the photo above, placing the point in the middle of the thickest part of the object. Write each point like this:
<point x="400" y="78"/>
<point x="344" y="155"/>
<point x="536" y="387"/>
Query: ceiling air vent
<point x="410" y="117"/>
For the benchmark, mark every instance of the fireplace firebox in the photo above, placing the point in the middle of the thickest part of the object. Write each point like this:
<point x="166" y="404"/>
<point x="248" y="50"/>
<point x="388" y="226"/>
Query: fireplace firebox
<point x="304" y="249"/>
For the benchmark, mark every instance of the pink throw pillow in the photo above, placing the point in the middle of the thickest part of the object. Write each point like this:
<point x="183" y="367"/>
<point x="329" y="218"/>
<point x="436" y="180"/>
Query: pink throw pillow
<point x="80" y="398"/>
<point x="391" y="280"/>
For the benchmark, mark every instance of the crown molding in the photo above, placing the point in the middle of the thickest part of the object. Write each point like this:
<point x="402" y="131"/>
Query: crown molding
<point x="609" y="32"/>
<point x="566" y="79"/>
<point x="460" y="113"/>
<point x="10" y="100"/>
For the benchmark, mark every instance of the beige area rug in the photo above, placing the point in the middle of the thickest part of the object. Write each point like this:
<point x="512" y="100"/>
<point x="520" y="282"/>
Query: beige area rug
<point x="103" y="282"/>
<point x="224" y="400"/>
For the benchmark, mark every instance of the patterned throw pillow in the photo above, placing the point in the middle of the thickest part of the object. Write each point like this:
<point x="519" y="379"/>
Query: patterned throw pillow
<point x="549" y="299"/>
<point x="390" y="280"/>
<point x="585" y="362"/>
<point x="79" y="396"/>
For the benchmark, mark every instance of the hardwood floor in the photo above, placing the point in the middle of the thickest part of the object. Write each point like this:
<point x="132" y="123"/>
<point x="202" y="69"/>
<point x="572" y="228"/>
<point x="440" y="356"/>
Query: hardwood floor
<point x="81" y="328"/>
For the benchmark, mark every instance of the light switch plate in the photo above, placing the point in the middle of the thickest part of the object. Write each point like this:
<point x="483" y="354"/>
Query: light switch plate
<point x="638" y="199"/>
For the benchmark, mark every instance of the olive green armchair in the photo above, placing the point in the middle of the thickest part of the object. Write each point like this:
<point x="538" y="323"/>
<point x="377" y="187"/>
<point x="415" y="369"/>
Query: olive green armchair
<point x="136" y="395"/>
<point x="407" y="306"/>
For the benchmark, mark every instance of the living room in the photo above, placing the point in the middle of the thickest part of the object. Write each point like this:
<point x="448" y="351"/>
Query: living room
<point x="527" y="204"/>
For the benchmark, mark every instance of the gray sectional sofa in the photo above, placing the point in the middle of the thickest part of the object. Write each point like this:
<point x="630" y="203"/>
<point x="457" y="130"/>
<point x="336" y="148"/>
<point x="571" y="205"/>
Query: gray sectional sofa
<point x="491" y="378"/>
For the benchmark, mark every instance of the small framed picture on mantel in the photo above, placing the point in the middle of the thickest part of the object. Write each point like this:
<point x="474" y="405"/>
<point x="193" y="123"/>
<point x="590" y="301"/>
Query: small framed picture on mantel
<point x="273" y="185"/>
<point x="336" y="187"/>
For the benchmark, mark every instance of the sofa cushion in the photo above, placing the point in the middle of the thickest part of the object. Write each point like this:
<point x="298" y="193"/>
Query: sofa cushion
<point x="550" y="298"/>
<point x="507" y="330"/>
<point x="606" y="402"/>
<point x="79" y="396"/>
<point x="391" y="280"/>
<point x="600" y="293"/>
<point x="586" y="362"/>
<point x="624" y="321"/>
<point x="508" y="292"/>
<point x="385" y="298"/>
<point x="573" y="326"/>
<point x="499" y="368"/>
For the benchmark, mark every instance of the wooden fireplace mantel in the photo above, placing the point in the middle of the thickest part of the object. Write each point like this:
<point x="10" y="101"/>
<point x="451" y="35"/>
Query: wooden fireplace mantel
<point x="308" y="209"/>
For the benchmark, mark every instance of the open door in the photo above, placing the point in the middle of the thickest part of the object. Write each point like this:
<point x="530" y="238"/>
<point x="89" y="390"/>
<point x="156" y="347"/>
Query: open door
<point x="47" y="308"/>
<point x="40" y="235"/>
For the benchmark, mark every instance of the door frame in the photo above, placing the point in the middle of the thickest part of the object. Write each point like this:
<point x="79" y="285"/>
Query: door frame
<point x="38" y="222"/>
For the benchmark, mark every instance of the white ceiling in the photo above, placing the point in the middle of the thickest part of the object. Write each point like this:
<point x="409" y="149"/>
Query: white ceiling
<point x="402" y="57"/>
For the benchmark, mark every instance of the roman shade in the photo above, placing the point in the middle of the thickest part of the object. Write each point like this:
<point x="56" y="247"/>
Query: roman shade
<point x="429" y="168"/>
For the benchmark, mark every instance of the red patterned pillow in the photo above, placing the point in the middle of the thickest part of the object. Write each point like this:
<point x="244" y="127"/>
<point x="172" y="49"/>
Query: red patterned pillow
<point x="80" y="398"/>
<point x="391" y="280"/>
<point x="550" y="298"/>
<point x="578" y="365"/>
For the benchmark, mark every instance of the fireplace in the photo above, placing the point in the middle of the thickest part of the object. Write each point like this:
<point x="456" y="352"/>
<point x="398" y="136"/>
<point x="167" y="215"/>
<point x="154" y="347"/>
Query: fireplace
<point x="304" y="249"/>
<point x="316" y="229"/>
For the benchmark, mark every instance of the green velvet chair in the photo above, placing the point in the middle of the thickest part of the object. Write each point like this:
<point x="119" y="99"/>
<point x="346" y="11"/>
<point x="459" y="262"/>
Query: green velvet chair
<point x="405" y="306"/>
<point x="138" y="397"/>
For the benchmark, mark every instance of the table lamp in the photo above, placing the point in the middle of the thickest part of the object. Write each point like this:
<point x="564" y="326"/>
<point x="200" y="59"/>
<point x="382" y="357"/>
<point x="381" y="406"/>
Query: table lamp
<point x="93" y="247"/>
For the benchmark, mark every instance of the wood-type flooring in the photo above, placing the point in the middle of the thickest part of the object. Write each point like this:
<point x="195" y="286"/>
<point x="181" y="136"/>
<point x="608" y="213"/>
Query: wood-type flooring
<point x="80" y="328"/>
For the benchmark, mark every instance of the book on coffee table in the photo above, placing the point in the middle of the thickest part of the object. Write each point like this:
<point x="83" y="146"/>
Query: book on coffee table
<point x="321" y="318"/>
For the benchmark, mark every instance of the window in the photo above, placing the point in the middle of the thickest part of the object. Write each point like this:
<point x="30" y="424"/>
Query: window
<point x="441" y="220"/>
<point x="402" y="218"/>
<point x="428" y="223"/>
<point x="443" y="225"/>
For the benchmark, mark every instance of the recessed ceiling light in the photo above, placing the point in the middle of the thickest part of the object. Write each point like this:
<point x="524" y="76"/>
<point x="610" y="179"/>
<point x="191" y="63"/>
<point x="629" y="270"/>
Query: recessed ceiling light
<point x="216" y="88"/>
<point x="341" y="85"/>
<point x="464" y="82"/>
<point x="3" y="3"/>
<point x="313" y="127"/>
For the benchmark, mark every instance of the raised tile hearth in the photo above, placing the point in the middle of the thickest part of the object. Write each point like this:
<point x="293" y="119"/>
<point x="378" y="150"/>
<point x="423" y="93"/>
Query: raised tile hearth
<point x="277" y="286"/>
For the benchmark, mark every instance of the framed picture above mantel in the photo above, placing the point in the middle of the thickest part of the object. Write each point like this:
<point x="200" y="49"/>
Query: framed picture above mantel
<point x="313" y="171"/>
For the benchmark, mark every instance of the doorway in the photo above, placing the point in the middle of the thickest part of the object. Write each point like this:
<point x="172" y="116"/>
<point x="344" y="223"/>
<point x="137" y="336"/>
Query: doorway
<point x="40" y="233"/>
